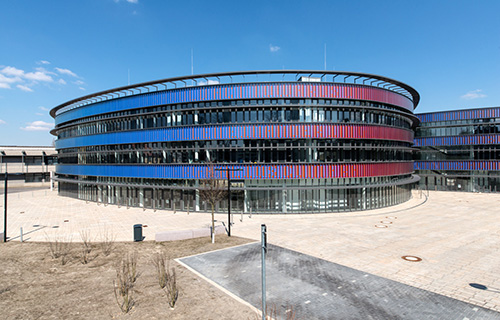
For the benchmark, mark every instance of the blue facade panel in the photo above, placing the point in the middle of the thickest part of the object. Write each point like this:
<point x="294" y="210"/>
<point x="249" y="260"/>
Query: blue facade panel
<point x="458" y="165"/>
<point x="253" y="91"/>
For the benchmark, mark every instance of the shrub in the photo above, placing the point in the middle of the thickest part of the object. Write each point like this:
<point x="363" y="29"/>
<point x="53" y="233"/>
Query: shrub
<point x="166" y="279"/>
<point x="59" y="248"/>
<point x="107" y="242"/>
<point x="126" y="276"/>
<point x="86" y="249"/>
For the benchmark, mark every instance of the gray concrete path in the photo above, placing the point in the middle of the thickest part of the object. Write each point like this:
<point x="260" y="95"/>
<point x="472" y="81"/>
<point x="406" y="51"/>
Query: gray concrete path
<point x="318" y="289"/>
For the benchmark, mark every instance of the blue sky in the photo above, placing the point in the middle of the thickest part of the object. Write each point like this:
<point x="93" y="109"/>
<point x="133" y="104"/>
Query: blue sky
<point x="54" y="51"/>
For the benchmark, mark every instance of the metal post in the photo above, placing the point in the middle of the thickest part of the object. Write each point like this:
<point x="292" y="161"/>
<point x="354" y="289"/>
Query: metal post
<point x="5" y="208"/>
<point x="228" y="203"/>
<point x="263" y="270"/>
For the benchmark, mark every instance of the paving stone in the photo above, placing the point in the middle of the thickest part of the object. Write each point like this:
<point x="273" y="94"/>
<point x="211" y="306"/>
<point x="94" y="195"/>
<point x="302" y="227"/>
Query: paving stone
<point x="319" y="289"/>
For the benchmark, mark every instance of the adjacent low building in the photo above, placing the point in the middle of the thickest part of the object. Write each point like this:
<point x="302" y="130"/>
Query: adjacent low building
<point x="296" y="141"/>
<point x="31" y="164"/>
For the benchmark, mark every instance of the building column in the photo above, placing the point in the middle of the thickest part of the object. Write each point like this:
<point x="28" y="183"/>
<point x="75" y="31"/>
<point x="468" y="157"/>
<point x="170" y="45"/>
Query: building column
<point x="99" y="193"/>
<point x="141" y="197"/>
<point x="197" y="200"/>
<point x="283" y="199"/>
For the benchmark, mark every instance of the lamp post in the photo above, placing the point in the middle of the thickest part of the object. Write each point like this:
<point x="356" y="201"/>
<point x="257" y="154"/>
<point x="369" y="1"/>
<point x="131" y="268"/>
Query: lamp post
<point x="228" y="174"/>
<point x="5" y="208"/>
<point x="263" y="240"/>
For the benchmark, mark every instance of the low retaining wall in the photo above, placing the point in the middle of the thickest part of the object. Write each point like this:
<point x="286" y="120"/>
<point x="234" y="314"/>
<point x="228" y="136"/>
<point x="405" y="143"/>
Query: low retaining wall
<point x="187" y="234"/>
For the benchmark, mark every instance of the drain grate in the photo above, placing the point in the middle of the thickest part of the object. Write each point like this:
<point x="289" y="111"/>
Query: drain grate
<point x="411" y="258"/>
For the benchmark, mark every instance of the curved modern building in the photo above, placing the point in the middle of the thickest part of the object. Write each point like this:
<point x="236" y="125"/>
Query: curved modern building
<point x="296" y="141"/>
<point x="459" y="150"/>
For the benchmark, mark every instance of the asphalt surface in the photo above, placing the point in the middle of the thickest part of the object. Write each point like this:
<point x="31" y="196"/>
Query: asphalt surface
<point x="319" y="289"/>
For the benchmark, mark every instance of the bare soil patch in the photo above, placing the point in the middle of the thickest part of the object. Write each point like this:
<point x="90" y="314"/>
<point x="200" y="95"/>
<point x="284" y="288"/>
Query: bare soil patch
<point x="33" y="285"/>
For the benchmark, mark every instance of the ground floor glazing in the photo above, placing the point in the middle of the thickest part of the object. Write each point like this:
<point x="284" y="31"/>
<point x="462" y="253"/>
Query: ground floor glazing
<point x="468" y="181"/>
<point x="272" y="199"/>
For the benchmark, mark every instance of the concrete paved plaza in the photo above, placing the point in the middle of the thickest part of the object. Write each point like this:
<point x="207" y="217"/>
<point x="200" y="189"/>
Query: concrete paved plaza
<point x="320" y="289"/>
<point x="457" y="236"/>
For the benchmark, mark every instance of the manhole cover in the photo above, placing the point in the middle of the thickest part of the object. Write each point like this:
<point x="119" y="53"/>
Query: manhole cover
<point x="36" y="225"/>
<point x="380" y="226"/>
<point x="21" y="212"/>
<point x="411" y="258"/>
<point x="55" y="227"/>
<point x="66" y="220"/>
<point x="478" y="286"/>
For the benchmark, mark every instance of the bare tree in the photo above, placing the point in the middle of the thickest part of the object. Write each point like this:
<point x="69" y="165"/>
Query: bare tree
<point x="212" y="190"/>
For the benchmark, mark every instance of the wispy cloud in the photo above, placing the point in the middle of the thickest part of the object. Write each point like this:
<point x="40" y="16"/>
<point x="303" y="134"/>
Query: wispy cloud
<point x="2" y="122"/>
<point x="129" y="1"/>
<point x="66" y="72"/>
<point x="13" y="77"/>
<point x="11" y="71"/>
<point x="38" y="126"/>
<point x="82" y="88"/>
<point x="474" y="94"/>
<point x="6" y="81"/>
<point x="24" y="88"/>
<point x="38" y="76"/>
<point x="43" y="108"/>
<point x="274" y="48"/>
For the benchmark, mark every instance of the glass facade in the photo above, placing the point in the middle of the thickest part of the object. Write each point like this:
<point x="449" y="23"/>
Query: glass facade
<point x="310" y="147"/>
<point x="459" y="150"/>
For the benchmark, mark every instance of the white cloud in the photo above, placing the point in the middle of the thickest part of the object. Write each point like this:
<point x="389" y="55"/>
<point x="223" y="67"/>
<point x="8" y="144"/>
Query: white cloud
<point x="66" y="72"/>
<point x="38" y="126"/>
<point x="133" y="1"/>
<point x="38" y="76"/>
<point x="43" y="108"/>
<point x="475" y="94"/>
<point x="273" y="48"/>
<point x="10" y="76"/>
<point x="11" y="71"/>
<point x="82" y="88"/>
<point x="24" y="88"/>
<point x="6" y="81"/>
<point x="43" y="70"/>
<point x="2" y="122"/>
<point x="39" y="114"/>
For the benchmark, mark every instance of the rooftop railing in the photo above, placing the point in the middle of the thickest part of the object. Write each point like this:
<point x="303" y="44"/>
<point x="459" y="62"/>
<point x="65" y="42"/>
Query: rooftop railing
<point x="243" y="77"/>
